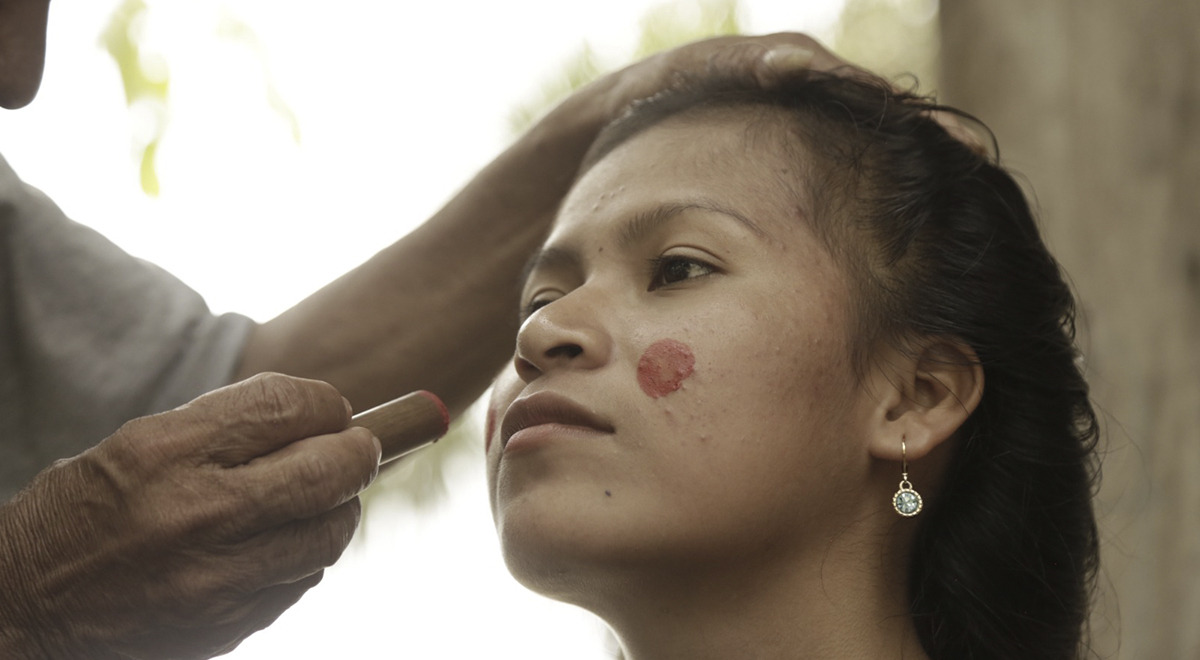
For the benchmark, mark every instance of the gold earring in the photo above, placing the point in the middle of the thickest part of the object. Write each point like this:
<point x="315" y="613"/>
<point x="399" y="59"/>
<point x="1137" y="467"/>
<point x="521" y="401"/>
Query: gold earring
<point x="906" y="500"/>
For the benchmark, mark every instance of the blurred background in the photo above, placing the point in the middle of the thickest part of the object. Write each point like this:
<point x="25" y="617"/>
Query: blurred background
<point x="258" y="149"/>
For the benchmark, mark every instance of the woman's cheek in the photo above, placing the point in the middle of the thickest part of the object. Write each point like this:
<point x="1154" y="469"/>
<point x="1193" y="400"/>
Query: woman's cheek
<point x="664" y="366"/>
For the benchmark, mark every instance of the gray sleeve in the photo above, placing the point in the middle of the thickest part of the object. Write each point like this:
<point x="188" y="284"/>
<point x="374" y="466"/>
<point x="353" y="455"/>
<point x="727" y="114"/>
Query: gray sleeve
<point x="91" y="337"/>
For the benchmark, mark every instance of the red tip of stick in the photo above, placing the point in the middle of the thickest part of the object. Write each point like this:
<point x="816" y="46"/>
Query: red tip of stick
<point x="441" y="407"/>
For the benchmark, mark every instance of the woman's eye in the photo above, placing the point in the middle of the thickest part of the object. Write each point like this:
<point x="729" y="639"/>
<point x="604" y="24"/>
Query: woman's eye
<point x="671" y="269"/>
<point x="533" y="306"/>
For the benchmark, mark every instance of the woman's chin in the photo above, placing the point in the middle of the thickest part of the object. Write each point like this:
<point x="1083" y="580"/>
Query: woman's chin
<point x="557" y="547"/>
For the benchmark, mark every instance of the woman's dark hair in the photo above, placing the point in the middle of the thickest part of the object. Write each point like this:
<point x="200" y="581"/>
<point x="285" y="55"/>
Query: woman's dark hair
<point x="939" y="241"/>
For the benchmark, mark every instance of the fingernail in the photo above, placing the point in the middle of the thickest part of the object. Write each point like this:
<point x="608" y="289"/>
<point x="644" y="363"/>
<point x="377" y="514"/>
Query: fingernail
<point x="349" y="408"/>
<point x="788" y="58"/>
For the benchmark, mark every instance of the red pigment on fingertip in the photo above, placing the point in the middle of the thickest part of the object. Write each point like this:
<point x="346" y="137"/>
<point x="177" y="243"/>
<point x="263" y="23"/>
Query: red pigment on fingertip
<point x="664" y="366"/>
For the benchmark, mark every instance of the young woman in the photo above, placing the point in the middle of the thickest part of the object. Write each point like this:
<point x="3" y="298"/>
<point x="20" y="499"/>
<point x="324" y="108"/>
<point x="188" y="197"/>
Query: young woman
<point x="797" y="379"/>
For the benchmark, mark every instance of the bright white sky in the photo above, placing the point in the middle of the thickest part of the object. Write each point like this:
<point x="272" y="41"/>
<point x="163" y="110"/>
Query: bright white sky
<point x="398" y="104"/>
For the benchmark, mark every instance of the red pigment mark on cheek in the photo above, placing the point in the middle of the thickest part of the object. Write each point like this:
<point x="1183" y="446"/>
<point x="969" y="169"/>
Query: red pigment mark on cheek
<point x="664" y="366"/>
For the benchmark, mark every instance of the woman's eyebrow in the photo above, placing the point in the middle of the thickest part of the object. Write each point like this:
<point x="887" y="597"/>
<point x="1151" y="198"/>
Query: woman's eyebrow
<point x="636" y="229"/>
<point x="646" y="222"/>
<point x="550" y="257"/>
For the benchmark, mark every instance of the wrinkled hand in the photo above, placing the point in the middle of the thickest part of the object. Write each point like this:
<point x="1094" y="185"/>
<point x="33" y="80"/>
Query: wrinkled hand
<point x="184" y="532"/>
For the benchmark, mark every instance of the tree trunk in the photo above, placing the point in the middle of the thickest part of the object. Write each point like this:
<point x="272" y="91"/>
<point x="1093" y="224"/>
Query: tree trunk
<point x="1097" y="104"/>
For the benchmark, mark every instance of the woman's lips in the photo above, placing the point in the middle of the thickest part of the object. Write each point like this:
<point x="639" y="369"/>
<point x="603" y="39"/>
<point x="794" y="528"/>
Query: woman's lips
<point x="545" y="409"/>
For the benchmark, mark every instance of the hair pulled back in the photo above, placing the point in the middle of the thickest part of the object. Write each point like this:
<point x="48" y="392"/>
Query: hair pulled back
<point x="939" y="241"/>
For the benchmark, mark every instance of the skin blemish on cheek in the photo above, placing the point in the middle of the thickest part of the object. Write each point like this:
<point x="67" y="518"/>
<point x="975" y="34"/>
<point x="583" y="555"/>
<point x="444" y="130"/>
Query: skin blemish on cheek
<point x="664" y="366"/>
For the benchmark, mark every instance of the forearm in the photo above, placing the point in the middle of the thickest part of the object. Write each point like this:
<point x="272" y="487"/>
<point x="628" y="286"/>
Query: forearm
<point x="437" y="309"/>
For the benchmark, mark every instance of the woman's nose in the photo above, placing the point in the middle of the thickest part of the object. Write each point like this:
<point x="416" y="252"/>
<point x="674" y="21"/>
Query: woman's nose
<point x="568" y="333"/>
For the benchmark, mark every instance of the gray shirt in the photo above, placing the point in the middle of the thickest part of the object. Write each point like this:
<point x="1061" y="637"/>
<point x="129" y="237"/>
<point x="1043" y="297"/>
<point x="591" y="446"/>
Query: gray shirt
<point x="90" y="336"/>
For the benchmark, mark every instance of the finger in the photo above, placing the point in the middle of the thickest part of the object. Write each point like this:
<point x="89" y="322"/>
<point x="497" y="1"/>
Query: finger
<point x="662" y="71"/>
<point x="210" y="583"/>
<point x="780" y="62"/>
<point x="270" y="603"/>
<point x="290" y="552"/>
<point x="303" y="547"/>
<point x="206" y="638"/>
<point x="306" y="478"/>
<point x="259" y="611"/>
<point x="765" y="59"/>
<point x="792" y="55"/>
<point x="264" y="413"/>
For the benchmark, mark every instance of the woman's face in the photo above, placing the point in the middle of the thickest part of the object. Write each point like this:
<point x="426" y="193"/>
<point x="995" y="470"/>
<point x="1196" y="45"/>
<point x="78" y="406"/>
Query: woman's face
<point x="682" y="391"/>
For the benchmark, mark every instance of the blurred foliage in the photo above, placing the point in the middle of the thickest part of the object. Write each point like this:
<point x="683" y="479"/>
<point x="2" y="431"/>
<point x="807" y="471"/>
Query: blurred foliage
<point x="238" y="31"/>
<point x="144" y="78"/>
<point x="894" y="38"/>
<point x="580" y="69"/>
<point x="677" y="23"/>
<point x="665" y="26"/>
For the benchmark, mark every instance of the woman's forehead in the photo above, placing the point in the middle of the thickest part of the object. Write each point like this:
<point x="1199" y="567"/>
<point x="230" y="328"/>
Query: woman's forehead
<point x="724" y="159"/>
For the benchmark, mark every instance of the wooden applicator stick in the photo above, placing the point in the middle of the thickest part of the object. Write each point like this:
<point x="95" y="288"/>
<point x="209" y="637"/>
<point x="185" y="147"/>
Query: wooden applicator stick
<point x="406" y="424"/>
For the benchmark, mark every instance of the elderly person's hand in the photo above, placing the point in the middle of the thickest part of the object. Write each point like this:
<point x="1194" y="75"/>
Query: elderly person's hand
<point x="184" y="532"/>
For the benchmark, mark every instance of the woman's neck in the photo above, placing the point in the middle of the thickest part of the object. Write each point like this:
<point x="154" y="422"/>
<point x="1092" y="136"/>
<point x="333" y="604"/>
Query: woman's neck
<point x="845" y="601"/>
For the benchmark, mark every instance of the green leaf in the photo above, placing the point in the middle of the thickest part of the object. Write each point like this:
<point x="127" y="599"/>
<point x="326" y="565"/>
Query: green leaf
<point x="149" y="175"/>
<point x="142" y="85"/>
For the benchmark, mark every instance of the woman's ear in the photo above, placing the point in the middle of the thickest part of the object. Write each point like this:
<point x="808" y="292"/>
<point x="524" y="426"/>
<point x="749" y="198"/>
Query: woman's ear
<point x="923" y="394"/>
